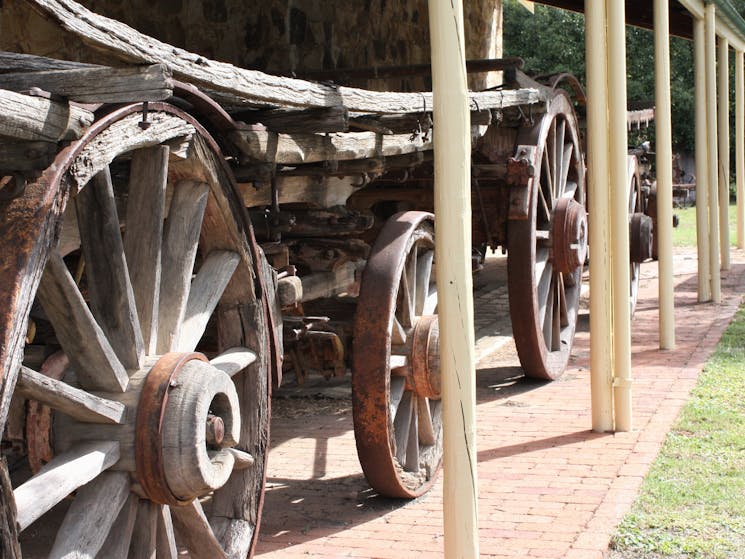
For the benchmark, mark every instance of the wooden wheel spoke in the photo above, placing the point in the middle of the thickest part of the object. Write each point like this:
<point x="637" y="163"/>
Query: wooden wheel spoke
<point x="181" y="236"/>
<point x="407" y="297"/>
<point x="398" y="386"/>
<point x="143" y="239"/>
<point x="166" y="539"/>
<point x="564" y="312"/>
<point x="556" y="316"/>
<point x="548" y="173"/>
<point x="96" y="504"/>
<point x="543" y="284"/>
<point x="195" y="533"/>
<point x="547" y="318"/>
<point x="117" y="543"/>
<point x="64" y="474"/>
<point x="233" y="360"/>
<point x="110" y="291"/>
<point x="412" y="439"/>
<point x="205" y="292"/>
<point x="423" y="279"/>
<point x="544" y="206"/>
<point x="398" y="334"/>
<point x="402" y="426"/>
<point x="426" y="426"/>
<point x="144" y="538"/>
<point x="558" y="169"/>
<point x="74" y="402"/>
<point x="430" y="303"/>
<point x="566" y="165"/>
<point x="570" y="190"/>
<point x="95" y="363"/>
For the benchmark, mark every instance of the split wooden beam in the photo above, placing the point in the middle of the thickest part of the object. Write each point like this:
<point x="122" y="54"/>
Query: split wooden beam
<point x="295" y="149"/>
<point x="97" y="84"/>
<point x="25" y="117"/>
<point x="249" y="85"/>
<point x="17" y="62"/>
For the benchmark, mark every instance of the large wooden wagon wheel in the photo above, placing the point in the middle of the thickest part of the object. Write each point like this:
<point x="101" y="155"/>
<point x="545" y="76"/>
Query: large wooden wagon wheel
<point x="160" y="405"/>
<point x="640" y="231"/>
<point x="546" y="251"/>
<point x="395" y="368"/>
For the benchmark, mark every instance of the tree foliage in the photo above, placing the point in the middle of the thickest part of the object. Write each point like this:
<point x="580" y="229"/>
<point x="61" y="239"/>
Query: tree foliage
<point x="553" y="40"/>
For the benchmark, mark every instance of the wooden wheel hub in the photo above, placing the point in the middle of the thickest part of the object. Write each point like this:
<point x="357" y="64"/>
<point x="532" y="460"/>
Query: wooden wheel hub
<point x="186" y="406"/>
<point x="425" y="358"/>
<point x="640" y="234"/>
<point x="569" y="235"/>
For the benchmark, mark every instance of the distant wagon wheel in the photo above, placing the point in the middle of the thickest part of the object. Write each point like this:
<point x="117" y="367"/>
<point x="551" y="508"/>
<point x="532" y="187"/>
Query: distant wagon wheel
<point x="640" y="231"/>
<point x="395" y="368"/>
<point x="160" y="421"/>
<point x="546" y="251"/>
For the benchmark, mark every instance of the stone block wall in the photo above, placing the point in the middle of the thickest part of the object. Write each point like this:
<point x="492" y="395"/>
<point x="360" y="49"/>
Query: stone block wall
<point x="297" y="36"/>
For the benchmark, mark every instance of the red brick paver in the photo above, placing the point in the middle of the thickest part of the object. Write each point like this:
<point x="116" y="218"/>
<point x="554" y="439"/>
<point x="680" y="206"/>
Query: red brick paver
<point x="548" y="486"/>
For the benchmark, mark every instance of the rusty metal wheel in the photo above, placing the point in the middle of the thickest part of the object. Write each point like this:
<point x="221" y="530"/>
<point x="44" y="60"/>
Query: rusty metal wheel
<point x="640" y="231"/>
<point x="158" y="417"/>
<point x="546" y="251"/>
<point x="395" y="366"/>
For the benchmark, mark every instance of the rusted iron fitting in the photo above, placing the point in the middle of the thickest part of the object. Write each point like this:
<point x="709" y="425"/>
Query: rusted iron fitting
<point x="519" y="171"/>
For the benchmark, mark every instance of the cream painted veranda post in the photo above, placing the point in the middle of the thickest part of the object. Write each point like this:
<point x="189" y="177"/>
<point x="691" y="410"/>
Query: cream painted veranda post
<point x="601" y="306"/>
<point x="723" y="141"/>
<point x="455" y="285"/>
<point x="740" y="145"/>
<point x="713" y="178"/>
<point x="664" y="147"/>
<point x="620" y="258"/>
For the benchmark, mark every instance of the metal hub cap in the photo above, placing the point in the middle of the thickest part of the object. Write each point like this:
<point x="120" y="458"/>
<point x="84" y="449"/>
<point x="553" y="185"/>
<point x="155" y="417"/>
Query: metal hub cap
<point x="569" y="235"/>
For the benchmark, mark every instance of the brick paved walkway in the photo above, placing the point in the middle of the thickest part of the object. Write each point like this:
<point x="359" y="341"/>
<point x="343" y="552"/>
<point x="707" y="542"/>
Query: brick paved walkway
<point x="548" y="486"/>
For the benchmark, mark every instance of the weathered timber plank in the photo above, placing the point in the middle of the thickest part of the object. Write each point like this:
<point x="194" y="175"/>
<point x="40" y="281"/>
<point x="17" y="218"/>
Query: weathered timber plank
<point x="204" y="294"/>
<point x="320" y="120"/>
<point x="143" y="239"/>
<point x="250" y="85"/>
<point x="319" y="192"/>
<point x="97" y="84"/>
<point x="9" y="546"/>
<point x="117" y="543"/>
<point x="195" y="532"/>
<point x="328" y="284"/>
<point x="262" y="146"/>
<point x="110" y="290"/>
<point x="33" y="118"/>
<point x="91" y="516"/>
<point x="64" y="474"/>
<point x="18" y="62"/>
<point x="74" y="402"/>
<point x="96" y="365"/>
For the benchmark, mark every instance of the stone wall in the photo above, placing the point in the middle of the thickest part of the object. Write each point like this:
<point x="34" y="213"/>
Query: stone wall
<point x="298" y="36"/>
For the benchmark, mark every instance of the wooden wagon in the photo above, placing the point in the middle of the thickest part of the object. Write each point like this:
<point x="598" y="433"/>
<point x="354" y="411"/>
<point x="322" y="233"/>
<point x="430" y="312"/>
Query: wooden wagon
<point x="175" y="231"/>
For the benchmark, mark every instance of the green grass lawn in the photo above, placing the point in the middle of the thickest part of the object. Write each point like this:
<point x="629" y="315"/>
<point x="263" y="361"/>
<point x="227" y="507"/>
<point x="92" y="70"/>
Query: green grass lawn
<point x="684" y="235"/>
<point x="692" y="503"/>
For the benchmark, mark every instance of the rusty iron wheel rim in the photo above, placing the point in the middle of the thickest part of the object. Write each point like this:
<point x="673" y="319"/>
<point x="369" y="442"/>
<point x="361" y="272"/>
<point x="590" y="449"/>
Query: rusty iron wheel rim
<point x="544" y="303"/>
<point x="637" y="218"/>
<point x="397" y="430"/>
